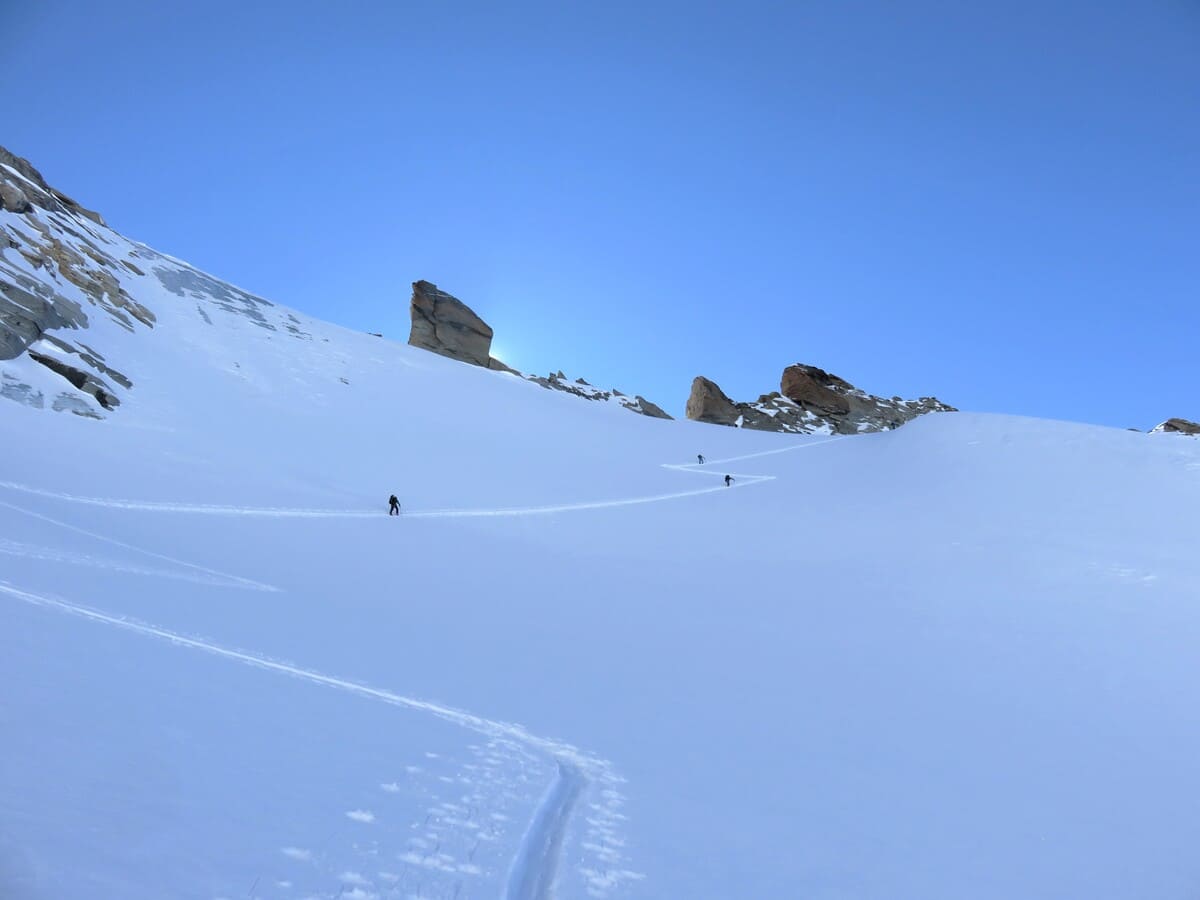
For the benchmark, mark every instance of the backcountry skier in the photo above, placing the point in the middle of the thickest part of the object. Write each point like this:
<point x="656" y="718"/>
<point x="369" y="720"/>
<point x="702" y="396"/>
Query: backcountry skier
<point x="728" y="479"/>
<point x="393" y="506"/>
<point x="700" y="458"/>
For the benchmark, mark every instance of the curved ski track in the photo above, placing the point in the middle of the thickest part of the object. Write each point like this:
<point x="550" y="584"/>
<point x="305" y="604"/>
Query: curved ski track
<point x="741" y="480"/>
<point x="534" y="869"/>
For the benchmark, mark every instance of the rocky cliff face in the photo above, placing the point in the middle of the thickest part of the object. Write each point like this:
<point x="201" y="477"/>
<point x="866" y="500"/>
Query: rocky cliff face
<point x="809" y="401"/>
<point x="58" y="269"/>
<point x="76" y="295"/>
<point x="22" y="186"/>
<point x="1177" y="426"/>
<point x="443" y="324"/>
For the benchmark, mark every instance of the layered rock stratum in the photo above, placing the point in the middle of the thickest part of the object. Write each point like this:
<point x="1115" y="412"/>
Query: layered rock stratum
<point x="809" y="401"/>
<point x="75" y="295"/>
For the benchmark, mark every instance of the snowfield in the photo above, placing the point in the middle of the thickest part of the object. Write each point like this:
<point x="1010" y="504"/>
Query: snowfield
<point x="955" y="660"/>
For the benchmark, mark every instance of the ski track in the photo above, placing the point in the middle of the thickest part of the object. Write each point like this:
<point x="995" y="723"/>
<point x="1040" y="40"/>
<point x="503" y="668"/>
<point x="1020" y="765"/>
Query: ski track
<point x="534" y="869"/>
<point x="536" y="863"/>
<point x="222" y="579"/>
<point x="740" y="480"/>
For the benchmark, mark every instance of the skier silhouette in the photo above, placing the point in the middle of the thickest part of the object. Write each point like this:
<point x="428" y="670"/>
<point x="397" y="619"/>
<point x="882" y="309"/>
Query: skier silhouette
<point x="393" y="506"/>
<point x="728" y="478"/>
<point x="700" y="458"/>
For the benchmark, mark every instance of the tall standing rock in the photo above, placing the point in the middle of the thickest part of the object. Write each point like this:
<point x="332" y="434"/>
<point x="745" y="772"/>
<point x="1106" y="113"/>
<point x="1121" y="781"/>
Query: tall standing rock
<point x="708" y="403"/>
<point x="444" y="324"/>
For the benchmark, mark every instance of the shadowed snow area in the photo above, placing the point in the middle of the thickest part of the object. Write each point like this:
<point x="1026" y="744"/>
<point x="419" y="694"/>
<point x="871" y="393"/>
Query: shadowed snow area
<point x="954" y="660"/>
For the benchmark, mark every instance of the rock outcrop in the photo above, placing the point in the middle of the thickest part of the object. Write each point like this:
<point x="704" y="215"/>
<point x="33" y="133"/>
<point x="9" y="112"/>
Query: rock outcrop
<point x="443" y="324"/>
<point x="64" y="273"/>
<point x="810" y="400"/>
<point x="86" y="382"/>
<point x="57" y="269"/>
<point x="557" y="381"/>
<point x="708" y="403"/>
<point x="1177" y="426"/>
<point x="815" y="388"/>
<point x="23" y="181"/>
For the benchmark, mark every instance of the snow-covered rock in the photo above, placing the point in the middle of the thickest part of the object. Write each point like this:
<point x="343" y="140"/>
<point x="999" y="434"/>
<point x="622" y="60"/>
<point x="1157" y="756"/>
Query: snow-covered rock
<point x="1176" y="426"/>
<point x="810" y="401"/>
<point x="557" y="381"/>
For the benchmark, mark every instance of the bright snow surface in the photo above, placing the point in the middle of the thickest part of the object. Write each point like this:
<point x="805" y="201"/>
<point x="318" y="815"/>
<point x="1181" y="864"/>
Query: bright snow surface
<point x="956" y="660"/>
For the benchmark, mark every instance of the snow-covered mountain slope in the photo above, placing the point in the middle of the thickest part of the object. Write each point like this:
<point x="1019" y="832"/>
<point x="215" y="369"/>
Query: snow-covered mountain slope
<point x="952" y="660"/>
<point x="80" y="307"/>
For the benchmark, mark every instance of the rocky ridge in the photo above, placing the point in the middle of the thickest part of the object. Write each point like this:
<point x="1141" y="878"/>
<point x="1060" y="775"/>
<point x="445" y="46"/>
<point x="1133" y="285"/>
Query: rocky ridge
<point x="57" y="267"/>
<point x="67" y="278"/>
<point x="809" y="401"/>
<point x="443" y="324"/>
<point x="1177" y="426"/>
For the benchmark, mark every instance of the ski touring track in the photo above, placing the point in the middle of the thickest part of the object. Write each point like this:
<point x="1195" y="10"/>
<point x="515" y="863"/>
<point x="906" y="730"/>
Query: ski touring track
<point x="740" y="480"/>
<point x="534" y="869"/>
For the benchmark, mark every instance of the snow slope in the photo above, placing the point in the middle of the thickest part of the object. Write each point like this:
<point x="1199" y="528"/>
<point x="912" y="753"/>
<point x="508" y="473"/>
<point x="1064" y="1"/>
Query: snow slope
<point x="954" y="660"/>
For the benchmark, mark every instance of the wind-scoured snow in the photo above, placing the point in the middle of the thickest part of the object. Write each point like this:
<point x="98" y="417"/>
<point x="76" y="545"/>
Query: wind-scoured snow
<point x="952" y="660"/>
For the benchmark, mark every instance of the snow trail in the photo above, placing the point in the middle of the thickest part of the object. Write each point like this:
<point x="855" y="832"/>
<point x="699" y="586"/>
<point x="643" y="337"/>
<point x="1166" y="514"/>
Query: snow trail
<point x="205" y="575"/>
<point x="534" y="869"/>
<point x="557" y="749"/>
<point x="741" y="480"/>
<point x="535" y="866"/>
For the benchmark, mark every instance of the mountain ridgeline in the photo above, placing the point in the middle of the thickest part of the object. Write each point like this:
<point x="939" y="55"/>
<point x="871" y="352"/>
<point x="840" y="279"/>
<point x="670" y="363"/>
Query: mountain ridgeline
<point x="77" y="300"/>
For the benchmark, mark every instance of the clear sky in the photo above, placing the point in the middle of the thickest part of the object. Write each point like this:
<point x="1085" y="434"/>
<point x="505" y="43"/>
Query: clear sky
<point x="994" y="202"/>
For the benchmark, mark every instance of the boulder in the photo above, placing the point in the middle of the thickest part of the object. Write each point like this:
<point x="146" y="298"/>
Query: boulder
<point x="444" y="324"/>
<point x="816" y="389"/>
<point x="708" y="403"/>
<point x="13" y="198"/>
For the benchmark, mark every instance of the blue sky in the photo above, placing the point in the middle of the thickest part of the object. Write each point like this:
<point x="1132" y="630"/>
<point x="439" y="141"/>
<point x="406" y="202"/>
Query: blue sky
<point x="997" y="203"/>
